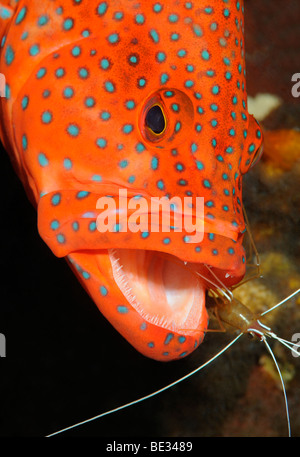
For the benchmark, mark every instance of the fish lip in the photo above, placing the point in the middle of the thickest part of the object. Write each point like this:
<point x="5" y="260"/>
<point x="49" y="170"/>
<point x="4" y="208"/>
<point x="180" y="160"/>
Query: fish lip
<point x="179" y="239"/>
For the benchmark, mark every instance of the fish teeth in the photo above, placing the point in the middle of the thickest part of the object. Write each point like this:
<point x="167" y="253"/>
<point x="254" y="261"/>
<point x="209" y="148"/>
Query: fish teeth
<point x="123" y="283"/>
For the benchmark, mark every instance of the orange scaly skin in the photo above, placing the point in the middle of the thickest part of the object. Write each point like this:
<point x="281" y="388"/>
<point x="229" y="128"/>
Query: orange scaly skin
<point x="80" y="79"/>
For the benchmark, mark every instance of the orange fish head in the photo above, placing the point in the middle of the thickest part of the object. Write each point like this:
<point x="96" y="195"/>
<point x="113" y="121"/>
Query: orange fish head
<point x="138" y="103"/>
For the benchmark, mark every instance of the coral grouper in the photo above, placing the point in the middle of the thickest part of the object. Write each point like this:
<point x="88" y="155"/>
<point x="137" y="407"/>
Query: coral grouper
<point x="147" y="98"/>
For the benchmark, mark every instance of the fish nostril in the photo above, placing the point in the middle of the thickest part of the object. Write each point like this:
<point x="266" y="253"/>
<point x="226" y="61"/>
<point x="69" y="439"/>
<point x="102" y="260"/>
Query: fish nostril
<point x="155" y="120"/>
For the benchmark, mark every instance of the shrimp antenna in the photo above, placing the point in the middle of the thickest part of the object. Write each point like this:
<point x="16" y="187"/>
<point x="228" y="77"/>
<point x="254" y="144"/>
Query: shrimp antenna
<point x="220" y="291"/>
<point x="220" y="282"/>
<point x="286" y="343"/>
<point x="290" y="345"/>
<point x="282" y="384"/>
<point x="223" y="290"/>
<point x="253" y="249"/>
<point x="281" y="303"/>
<point x="252" y="241"/>
<point x="146" y="397"/>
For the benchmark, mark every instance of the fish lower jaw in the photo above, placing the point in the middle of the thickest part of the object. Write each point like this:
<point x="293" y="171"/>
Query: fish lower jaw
<point x="159" y="288"/>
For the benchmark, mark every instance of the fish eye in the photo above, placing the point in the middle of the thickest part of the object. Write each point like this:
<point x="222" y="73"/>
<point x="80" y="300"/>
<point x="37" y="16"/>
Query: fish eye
<point x="155" y="120"/>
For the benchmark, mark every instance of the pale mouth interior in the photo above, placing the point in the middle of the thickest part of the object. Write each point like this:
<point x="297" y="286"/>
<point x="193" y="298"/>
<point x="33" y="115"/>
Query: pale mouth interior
<point x="159" y="286"/>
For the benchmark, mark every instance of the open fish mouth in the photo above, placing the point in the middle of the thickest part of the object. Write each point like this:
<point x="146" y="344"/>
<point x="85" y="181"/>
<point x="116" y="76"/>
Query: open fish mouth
<point x="164" y="290"/>
<point x="159" y="287"/>
<point x="154" y="299"/>
<point x="150" y="285"/>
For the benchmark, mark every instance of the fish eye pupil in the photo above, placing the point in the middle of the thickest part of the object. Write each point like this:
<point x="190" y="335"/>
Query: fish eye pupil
<point x="155" y="119"/>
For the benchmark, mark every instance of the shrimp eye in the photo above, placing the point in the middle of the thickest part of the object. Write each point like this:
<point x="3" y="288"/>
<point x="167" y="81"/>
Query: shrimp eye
<point x="155" y="120"/>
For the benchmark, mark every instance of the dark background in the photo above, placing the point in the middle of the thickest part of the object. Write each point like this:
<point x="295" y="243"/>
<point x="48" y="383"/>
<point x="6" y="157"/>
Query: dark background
<point x="65" y="362"/>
